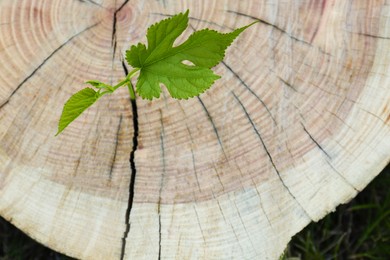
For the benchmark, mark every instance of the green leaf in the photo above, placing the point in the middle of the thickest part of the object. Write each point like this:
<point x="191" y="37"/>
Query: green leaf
<point x="163" y="63"/>
<point x="136" y="55"/>
<point x="206" y="48"/>
<point x="100" y="85"/>
<point x="95" y="83"/>
<point x="76" y="105"/>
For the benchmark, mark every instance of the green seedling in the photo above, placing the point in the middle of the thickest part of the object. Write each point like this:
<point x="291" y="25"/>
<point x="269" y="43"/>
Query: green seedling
<point x="185" y="70"/>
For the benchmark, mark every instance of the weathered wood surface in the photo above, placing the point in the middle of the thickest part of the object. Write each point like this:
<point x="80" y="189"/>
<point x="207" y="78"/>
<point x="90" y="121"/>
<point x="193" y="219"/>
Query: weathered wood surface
<point x="298" y="124"/>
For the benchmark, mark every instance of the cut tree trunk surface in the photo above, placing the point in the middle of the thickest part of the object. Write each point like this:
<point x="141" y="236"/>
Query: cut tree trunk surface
<point x="298" y="123"/>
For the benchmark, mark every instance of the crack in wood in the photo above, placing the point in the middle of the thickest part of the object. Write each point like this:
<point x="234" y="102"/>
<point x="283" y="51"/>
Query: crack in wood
<point x="330" y="158"/>
<point x="114" y="23"/>
<point x="116" y="146"/>
<point x="44" y="62"/>
<point x="280" y="30"/>
<point x="192" y="150"/>
<point x="243" y="83"/>
<point x="199" y="225"/>
<point x="133" y="170"/>
<point x="315" y="141"/>
<point x="159" y="231"/>
<point x="260" y="199"/>
<point x="342" y="177"/>
<point x="226" y="222"/>
<point x="271" y="25"/>
<point x="91" y="2"/>
<point x="213" y="125"/>
<point x="195" y="171"/>
<point x="194" y="164"/>
<point x="374" y="36"/>
<point x="269" y="154"/>
<point x="220" y="209"/>
<point x="244" y="226"/>
<point x="162" y="134"/>
<point x="372" y="114"/>
<point x="287" y="84"/>
<point x="218" y="177"/>
<point x="196" y="19"/>
<point x="323" y="5"/>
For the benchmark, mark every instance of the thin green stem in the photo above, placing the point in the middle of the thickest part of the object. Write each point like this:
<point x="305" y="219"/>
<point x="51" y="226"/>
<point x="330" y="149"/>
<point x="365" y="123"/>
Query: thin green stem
<point x="129" y="84"/>
<point x="105" y="92"/>
<point x="132" y="73"/>
<point x="131" y="90"/>
<point x="123" y="82"/>
<point x="126" y="80"/>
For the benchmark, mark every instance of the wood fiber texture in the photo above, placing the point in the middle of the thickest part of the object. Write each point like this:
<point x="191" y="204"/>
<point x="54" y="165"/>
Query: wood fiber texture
<point x="298" y="124"/>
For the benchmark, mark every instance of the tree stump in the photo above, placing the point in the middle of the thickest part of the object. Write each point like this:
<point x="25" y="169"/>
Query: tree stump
<point x="298" y="123"/>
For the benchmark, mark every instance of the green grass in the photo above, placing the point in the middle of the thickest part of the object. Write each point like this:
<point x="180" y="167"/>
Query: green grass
<point x="357" y="230"/>
<point x="15" y="245"/>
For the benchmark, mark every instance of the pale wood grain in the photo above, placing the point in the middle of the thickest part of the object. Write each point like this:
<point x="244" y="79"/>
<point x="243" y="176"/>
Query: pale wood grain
<point x="298" y="124"/>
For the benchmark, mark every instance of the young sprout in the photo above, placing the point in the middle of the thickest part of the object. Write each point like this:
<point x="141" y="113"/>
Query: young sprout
<point x="161" y="62"/>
